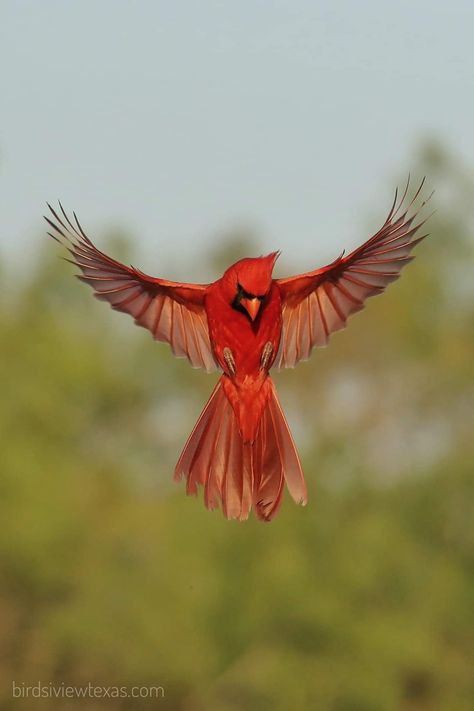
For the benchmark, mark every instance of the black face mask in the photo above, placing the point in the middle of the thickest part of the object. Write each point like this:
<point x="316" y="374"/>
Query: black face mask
<point x="242" y="294"/>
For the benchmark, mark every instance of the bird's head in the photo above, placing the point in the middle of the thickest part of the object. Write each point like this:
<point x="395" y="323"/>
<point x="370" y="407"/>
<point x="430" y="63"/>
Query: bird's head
<point x="248" y="281"/>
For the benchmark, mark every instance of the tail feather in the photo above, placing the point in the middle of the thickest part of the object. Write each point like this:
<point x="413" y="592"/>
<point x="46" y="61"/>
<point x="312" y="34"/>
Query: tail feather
<point x="294" y="476"/>
<point x="232" y="490"/>
<point x="188" y="455"/>
<point x="240" y="475"/>
<point x="217" y="465"/>
<point x="268" y="493"/>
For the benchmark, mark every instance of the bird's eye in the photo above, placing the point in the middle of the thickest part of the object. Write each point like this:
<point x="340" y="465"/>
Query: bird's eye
<point x="243" y="294"/>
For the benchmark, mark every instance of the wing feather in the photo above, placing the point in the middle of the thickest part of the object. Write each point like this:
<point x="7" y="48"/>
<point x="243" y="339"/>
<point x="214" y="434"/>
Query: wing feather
<point x="317" y="303"/>
<point x="173" y="312"/>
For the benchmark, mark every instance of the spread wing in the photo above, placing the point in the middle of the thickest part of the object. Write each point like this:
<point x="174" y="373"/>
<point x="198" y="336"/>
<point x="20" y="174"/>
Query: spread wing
<point x="318" y="303"/>
<point x="173" y="312"/>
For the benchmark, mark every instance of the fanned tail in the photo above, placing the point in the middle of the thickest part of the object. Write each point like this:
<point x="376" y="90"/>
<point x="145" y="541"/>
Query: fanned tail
<point x="241" y="475"/>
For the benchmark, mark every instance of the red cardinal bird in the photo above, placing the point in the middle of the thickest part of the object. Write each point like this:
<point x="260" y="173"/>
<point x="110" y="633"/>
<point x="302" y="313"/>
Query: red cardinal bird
<point x="241" y="450"/>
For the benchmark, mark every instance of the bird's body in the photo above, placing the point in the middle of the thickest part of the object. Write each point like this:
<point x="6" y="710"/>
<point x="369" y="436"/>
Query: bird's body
<point x="245" y="338"/>
<point x="241" y="450"/>
<point x="232" y="331"/>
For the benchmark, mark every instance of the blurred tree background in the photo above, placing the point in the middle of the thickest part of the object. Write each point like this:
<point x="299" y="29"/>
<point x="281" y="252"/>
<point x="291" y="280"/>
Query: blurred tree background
<point x="363" y="600"/>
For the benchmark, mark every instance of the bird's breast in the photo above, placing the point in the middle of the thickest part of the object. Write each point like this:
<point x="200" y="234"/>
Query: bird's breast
<point x="247" y="340"/>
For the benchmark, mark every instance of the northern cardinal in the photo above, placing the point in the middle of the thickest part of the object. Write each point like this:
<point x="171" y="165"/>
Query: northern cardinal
<point x="241" y="449"/>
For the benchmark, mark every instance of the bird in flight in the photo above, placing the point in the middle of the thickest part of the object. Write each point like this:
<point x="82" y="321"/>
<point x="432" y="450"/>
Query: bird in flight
<point x="243" y="324"/>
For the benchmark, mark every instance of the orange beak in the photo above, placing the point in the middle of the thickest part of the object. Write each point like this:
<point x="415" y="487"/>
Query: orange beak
<point x="252" y="307"/>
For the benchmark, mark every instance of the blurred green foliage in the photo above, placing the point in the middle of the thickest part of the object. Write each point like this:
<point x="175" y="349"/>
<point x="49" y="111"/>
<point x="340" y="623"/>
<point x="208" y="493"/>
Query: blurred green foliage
<point x="362" y="601"/>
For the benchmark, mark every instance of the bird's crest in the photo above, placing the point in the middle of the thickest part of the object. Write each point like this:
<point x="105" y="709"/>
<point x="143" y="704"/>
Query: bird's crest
<point x="254" y="274"/>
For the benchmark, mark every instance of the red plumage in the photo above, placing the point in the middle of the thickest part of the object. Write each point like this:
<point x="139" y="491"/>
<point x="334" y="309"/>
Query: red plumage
<point x="241" y="450"/>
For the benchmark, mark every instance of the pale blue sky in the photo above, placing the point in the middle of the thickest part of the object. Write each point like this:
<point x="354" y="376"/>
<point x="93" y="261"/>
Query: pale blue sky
<point x="180" y="120"/>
